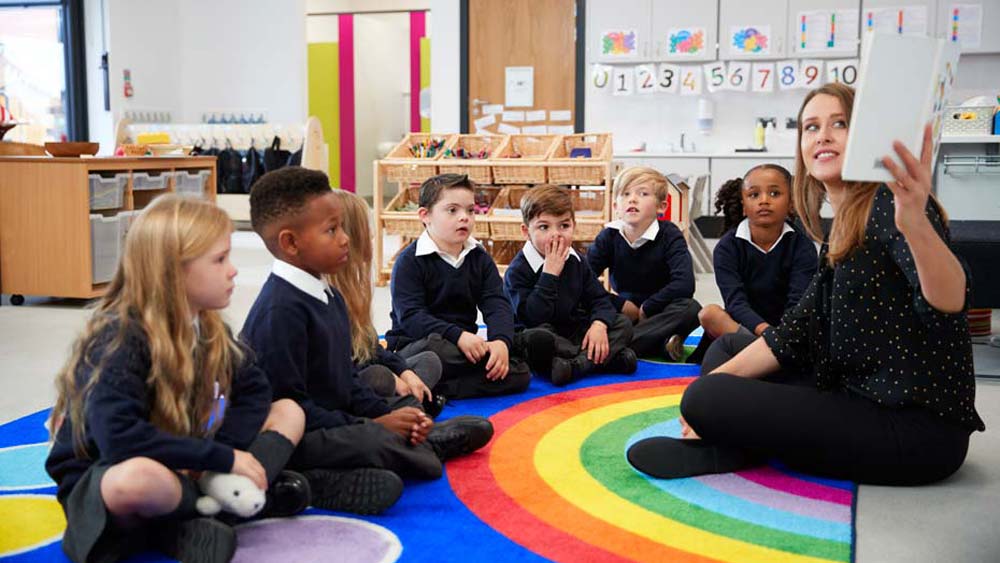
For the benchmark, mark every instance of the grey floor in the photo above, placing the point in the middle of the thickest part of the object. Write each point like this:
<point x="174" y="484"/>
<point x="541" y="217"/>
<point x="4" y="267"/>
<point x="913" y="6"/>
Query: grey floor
<point x="954" y="521"/>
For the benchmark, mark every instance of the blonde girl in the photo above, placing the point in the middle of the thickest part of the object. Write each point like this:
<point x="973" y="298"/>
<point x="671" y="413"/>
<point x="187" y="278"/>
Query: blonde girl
<point x="156" y="390"/>
<point x="387" y="373"/>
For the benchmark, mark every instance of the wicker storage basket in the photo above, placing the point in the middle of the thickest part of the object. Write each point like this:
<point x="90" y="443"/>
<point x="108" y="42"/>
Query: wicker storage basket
<point x="528" y="167"/>
<point x="408" y="223"/>
<point x="506" y="221"/>
<point x="577" y="174"/>
<point x="978" y="120"/>
<point x="401" y="165"/>
<point x="478" y="170"/>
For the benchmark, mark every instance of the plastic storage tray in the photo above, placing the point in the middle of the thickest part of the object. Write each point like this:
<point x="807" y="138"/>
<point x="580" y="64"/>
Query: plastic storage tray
<point x="107" y="193"/>
<point x="148" y="181"/>
<point x="105" y="247"/>
<point x="191" y="183"/>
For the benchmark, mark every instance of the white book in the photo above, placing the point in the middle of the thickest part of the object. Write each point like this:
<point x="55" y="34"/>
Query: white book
<point x="904" y="84"/>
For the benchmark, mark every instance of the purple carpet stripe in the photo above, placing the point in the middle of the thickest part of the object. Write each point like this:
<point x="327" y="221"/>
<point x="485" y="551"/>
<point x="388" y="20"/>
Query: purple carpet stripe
<point x="736" y="486"/>
<point x="316" y="538"/>
<point x="772" y="479"/>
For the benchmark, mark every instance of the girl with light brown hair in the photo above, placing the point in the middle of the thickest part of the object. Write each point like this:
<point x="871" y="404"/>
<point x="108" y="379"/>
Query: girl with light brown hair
<point x="156" y="389"/>
<point x="869" y="377"/>
<point x="385" y="372"/>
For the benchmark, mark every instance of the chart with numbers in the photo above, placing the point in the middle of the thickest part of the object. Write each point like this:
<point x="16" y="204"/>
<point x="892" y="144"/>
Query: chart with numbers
<point x="717" y="76"/>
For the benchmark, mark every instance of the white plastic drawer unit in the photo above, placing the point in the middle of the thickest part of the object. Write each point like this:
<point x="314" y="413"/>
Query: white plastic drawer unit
<point x="191" y="182"/>
<point x="149" y="181"/>
<point x="105" y="246"/>
<point x="107" y="192"/>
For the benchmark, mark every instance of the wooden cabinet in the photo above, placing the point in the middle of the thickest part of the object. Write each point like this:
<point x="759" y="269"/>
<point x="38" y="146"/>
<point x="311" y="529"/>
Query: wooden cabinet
<point x="46" y="217"/>
<point x="742" y="25"/>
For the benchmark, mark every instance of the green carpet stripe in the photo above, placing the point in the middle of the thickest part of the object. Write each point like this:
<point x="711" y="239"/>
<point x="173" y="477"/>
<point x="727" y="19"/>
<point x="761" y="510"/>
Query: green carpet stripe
<point x="602" y="454"/>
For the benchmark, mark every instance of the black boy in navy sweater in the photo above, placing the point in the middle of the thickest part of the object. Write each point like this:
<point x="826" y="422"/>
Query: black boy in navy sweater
<point x="568" y="325"/>
<point x="299" y="328"/>
<point x="650" y="266"/>
<point x="437" y="284"/>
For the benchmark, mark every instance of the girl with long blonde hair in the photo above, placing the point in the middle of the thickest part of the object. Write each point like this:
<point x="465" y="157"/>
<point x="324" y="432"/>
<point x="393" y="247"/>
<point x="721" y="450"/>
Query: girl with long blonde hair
<point x="869" y="377"/>
<point x="388" y="374"/>
<point x="157" y="389"/>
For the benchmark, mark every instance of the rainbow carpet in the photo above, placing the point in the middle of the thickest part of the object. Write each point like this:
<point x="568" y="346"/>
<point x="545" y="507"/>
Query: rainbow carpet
<point x="552" y="485"/>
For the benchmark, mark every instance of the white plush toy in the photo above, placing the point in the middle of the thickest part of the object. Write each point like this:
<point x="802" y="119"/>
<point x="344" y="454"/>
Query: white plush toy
<point x="233" y="493"/>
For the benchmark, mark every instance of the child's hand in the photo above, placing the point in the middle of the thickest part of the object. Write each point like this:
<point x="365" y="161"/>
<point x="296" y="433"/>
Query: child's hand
<point x="473" y="346"/>
<point x="245" y="464"/>
<point x="596" y="342"/>
<point x="409" y="422"/>
<point x="642" y="314"/>
<point x="497" y="366"/>
<point x="402" y="387"/>
<point x="631" y="310"/>
<point x="415" y="386"/>
<point x="556" y="255"/>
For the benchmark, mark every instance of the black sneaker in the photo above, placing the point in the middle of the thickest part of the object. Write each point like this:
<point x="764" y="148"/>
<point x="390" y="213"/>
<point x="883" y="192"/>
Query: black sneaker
<point x="624" y="362"/>
<point x="288" y="495"/>
<point x="361" y="491"/>
<point x="200" y="540"/>
<point x="537" y="346"/>
<point x="459" y="436"/>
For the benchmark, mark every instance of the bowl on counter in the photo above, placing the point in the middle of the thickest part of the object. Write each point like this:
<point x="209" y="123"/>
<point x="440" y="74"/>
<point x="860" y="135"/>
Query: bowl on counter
<point x="72" y="149"/>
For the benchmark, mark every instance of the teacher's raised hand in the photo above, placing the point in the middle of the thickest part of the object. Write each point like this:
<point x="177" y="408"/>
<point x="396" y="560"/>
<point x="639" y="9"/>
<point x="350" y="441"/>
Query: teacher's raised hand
<point x="912" y="185"/>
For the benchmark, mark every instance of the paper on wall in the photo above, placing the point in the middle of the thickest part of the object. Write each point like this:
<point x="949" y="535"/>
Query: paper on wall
<point x="492" y="108"/>
<point x="560" y="115"/>
<point x="484" y="122"/>
<point x="535" y="130"/>
<point x="505" y="129"/>
<point x="519" y="86"/>
<point x="536" y="115"/>
<point x="560" y="129"/>
<point x="513" y="116"/>
<point x="965" y="24"/>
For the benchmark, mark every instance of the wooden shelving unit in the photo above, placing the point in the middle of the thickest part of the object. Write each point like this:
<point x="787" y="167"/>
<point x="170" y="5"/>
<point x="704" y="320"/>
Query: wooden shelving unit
<point x="495" y="231"/>
<point x="45" y="228"/>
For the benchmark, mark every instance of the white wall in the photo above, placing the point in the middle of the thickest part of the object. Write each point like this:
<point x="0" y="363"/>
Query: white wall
<point x="188" y="57"/>
<point x="446" y="107"/>
<point x="100" y="122"/>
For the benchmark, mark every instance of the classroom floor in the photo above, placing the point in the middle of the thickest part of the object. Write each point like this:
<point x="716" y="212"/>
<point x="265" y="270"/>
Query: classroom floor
<point x="954" y="521"/>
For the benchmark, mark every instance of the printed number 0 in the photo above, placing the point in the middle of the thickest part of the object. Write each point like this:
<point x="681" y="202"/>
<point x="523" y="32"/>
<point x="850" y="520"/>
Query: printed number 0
<point x="849" y="74"/>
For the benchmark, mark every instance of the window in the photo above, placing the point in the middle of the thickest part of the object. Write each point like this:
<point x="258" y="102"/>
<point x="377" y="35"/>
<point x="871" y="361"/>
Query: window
<point x="39" y="58"/>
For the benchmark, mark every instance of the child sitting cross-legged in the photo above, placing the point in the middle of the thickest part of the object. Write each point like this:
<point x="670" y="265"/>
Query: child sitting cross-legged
<point x="569" y="326"/>
<point x="355" y="444"/>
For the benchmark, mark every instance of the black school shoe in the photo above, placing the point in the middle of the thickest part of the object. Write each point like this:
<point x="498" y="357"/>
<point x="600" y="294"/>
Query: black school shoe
<point x="565" y="371"/>
<point x="433" y="407"/>
<point x="199" y="540"/>
<point x="459" y="436"/>
<point x="365" y="491"/>
<point x="288" y="495"/>
<point x="537" y="347"/>
<point x="624" y="362"/>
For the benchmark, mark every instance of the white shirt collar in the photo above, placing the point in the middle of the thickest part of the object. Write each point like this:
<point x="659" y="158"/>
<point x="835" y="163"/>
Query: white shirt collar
<point x="743" y="232"/>
<point x="426" y="245"/>
<point x="649" y="234"/>
<point x="535" y="258"/>
<point x="302" y="280"/>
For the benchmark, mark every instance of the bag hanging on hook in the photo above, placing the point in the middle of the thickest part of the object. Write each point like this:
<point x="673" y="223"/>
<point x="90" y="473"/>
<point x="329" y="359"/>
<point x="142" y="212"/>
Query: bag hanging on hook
<point x="253" y="168"/>
<point x="230" y="171"/>
<point x="274" y="156"/>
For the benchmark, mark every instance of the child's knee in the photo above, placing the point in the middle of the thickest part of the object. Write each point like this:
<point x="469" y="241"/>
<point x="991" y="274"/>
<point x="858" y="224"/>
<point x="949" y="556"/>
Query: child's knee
<point x="287" y="418"/>
<point x="709" y="315"/>
<point x="130" y="484"/>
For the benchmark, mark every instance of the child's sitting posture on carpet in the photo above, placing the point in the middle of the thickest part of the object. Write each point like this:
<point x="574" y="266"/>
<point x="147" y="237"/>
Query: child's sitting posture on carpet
<point x="355" y="443"/>
<point x="156" y="389"/>
<point x="650" y="266"/>
<point x="437" y="284"/>
<point x="568" y="326"/>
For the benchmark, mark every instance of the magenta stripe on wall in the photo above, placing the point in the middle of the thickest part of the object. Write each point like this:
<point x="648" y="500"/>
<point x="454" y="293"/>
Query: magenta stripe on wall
<point x="417" y="30"/>
<point x="348" y="177"/>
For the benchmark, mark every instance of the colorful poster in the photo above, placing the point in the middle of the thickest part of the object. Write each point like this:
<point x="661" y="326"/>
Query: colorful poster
<point x="751" y="40"/>
<point x="621" y="43"/>
<point x="686" y="41"/>
<point x="966" y="25"/>
<point x="816" y="31"/>
<point x="905" y="20"/>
